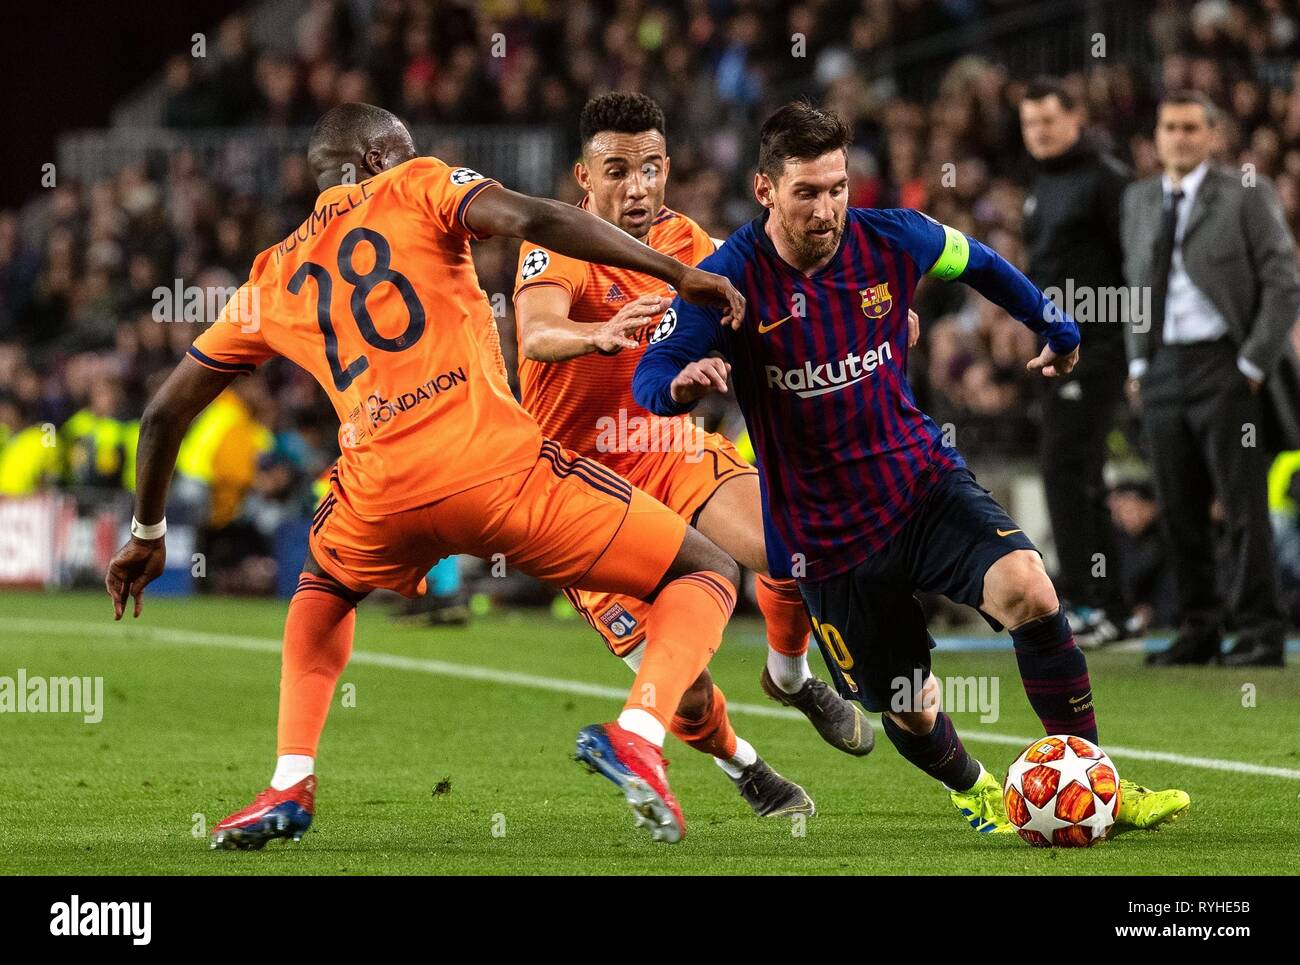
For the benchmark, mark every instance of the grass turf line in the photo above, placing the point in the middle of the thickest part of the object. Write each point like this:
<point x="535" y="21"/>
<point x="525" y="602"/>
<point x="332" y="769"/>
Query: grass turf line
<point x="190" y="731"/>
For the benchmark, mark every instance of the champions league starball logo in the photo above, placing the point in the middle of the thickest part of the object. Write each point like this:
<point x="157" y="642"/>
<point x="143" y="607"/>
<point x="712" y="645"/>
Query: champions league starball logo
<point x="665" y="326"/>
<point x="535" y="262"/>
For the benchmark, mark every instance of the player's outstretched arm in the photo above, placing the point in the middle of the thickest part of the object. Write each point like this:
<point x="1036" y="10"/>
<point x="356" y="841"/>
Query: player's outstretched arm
<point x="1002" y="283"/>
<point x="167" y="417"/>
<point x="547" y="334"/>
<point x="579" y="234"/>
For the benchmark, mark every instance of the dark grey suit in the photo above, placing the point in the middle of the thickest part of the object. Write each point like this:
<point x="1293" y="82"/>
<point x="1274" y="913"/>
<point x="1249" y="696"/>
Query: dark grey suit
<point x="1197" y="407"/>
<point x="1238" y="251"/>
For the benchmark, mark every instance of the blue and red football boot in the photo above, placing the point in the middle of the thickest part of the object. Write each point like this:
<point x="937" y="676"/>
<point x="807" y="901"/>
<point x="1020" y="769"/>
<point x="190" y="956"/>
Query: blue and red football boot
<point x="273" y="814"/>
<point x="637" y="767"/>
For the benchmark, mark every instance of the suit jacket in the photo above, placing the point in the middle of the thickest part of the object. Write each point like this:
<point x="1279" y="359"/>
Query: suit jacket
<point x="1238" y="251"/>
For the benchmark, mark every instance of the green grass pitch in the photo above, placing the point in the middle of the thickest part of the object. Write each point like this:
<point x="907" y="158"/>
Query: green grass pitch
<point x="456" y="757"/>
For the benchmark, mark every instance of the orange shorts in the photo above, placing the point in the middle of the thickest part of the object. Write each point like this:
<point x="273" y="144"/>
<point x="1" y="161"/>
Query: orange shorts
<point x="684" y="482"/>
<point x="567" y="521"/>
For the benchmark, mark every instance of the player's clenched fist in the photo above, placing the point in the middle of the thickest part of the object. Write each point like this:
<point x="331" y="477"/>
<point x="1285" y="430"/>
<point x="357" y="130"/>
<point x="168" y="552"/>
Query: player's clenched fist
<point x="705" y="288"/>
<point x="135" y="566"/>
<point x="699" y="379"/>
<point x="615" y="335"/>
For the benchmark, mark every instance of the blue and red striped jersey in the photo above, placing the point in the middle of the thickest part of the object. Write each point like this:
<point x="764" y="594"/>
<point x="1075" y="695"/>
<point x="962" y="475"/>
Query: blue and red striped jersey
<point x="820" y="371"/>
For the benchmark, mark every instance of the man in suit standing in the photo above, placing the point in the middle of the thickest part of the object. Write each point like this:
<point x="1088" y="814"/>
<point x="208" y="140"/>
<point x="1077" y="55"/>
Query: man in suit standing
<point x="1210" y="373"/>
<point x="1072" y="242"/>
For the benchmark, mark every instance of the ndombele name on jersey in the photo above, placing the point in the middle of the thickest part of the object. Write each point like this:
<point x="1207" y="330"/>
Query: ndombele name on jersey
<point x="811" y="380"/>
<point x="322" y="216"/>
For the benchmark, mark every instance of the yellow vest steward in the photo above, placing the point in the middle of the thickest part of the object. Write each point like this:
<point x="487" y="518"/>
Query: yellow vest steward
<point x="104" y="440"/>
<point x="1286" y="465"/>
<point x="222" y="449"/>
<point x="27" y="462"/>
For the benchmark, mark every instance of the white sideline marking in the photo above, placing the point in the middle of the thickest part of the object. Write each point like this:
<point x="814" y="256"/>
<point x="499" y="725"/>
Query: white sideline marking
<point x="128" y="632"/>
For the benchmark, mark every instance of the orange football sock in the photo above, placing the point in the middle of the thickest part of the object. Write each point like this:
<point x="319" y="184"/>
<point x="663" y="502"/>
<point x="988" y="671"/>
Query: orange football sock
<point x="683" y="631"/>
<point x="784" y="614"/>
<point x="317" y="644"/>
<point x="712" y="733"/>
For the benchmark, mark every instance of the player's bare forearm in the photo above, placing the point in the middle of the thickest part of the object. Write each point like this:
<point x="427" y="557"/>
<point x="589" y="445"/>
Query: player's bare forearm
<point x="569" y="230"/>
<point x="553" y="338"/>
<point x="574" y="232"/>
<point x="547" y="334"/>
<point x="167" y="417"/>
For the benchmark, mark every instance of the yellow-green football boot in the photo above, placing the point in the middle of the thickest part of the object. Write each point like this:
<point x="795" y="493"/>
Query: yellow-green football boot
<point x="982" y="806"/>
<point x="1142" y="809"/>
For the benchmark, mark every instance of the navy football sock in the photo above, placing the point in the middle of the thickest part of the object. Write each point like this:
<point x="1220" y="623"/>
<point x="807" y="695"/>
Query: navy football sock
<point x="939" y="753"/>
<point x="1055" y="675"/>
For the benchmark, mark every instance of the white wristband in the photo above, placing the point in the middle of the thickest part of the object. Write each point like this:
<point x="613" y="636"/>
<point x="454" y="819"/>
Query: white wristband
<point x="140" y="531"/>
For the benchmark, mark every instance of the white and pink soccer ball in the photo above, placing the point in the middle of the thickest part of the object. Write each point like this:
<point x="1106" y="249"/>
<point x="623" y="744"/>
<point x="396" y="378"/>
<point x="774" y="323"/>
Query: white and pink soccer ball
<point x="1062" y="792"/>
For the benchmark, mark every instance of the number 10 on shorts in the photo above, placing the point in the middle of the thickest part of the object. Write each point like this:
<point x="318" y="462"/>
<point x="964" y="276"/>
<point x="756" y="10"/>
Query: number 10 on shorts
<point x="832" y="642"/>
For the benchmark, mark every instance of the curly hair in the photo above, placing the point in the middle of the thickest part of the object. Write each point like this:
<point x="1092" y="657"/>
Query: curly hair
<point x="621" y="112"/>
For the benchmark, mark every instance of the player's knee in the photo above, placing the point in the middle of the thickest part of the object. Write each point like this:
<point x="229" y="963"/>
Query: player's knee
<point x="752" y="553"/>
<point x="729" y="570"/>
<point x="1018" y="589"/>
<point x="916" y="712"/>
<point x="700" y="554"/>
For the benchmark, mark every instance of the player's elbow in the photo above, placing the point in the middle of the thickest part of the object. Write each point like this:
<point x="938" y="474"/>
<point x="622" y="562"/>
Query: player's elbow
<point x="538" y="215"/>
<point x="533" y="341"/>
<point x="528" y="345"/>
<point x="158" y="423"/>
<point x="157" y="415"/>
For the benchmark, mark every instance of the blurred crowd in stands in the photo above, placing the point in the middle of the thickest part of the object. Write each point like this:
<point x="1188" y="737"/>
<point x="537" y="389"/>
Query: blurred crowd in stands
<point x="82" y="345"/>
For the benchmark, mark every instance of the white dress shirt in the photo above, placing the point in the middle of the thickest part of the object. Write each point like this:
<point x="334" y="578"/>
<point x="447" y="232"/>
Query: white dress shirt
<point x="1189" y="315"/>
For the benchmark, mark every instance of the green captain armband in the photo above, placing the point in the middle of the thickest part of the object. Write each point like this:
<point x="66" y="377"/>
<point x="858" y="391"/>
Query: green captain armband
<point x="952" y="260"/>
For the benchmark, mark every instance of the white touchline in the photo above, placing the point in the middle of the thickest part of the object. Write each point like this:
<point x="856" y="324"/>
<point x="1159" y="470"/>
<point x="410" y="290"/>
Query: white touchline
<point x="441" y="668"/>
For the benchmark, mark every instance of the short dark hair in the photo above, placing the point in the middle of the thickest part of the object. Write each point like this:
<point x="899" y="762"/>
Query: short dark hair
<point x="1041" y="88"/>
<point x="1184" y="97"/>
<point x="798" y="131"/>
<point x="621" y="112"/>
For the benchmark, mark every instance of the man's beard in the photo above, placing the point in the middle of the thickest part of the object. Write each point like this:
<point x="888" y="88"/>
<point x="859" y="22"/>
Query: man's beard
<point x="810" y="249"/>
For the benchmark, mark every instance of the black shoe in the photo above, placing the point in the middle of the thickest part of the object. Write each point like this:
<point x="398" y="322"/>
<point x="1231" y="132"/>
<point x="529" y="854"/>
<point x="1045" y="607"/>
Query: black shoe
<point x="449" y="611"/>
<point x="434" y="611"/>
<point x="770" y="794"/>
<point x="1257" y="650"/>
<point x="1099" y="630"/>
<point x="1190" y="648"/>
<point x="839" y="722"/>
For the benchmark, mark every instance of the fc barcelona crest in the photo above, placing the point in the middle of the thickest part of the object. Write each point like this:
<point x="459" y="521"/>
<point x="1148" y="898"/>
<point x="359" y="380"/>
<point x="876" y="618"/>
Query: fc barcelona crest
<point x="876" y="301"/>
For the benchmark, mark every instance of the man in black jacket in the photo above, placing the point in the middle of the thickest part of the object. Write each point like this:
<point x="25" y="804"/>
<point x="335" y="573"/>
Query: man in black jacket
<point x="1073" y="248"/>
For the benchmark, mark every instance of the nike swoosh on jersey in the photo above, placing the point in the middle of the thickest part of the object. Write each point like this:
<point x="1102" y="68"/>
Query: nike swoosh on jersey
<point x="764" y="327"/>
<point x="1007" y="532"/>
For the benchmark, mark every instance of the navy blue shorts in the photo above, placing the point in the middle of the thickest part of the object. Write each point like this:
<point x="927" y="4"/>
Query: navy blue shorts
<point x="868" y="622"/>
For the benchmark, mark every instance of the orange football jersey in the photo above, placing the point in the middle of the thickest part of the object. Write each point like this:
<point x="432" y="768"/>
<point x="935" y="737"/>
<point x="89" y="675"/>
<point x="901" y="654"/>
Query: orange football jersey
<point x="586" y="403"/>
<point x="376" y="296"/>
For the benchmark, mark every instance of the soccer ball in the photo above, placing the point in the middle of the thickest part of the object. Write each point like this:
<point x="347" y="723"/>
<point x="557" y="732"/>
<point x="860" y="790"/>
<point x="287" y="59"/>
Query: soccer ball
<point x="1062" y="792"/>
